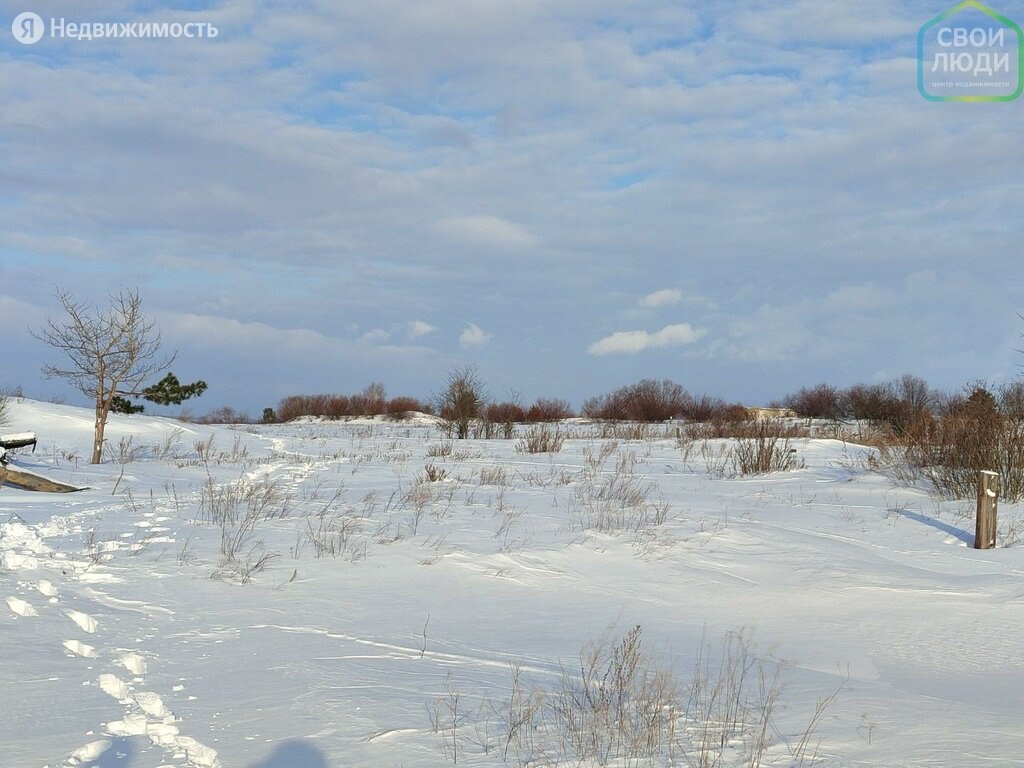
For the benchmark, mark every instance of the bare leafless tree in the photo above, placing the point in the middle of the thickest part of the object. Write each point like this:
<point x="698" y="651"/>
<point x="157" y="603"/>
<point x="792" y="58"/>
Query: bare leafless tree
<point x="110" y="351"/>
<point x="461" y="401"/>
<point x="916" y="393"/>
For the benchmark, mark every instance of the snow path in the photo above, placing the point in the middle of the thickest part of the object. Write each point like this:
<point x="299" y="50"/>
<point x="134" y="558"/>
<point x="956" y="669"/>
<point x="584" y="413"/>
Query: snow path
<point x="143" y="712"/>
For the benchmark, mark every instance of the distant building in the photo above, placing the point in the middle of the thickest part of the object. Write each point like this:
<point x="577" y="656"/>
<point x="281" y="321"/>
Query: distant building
<point x="758" y="413"/>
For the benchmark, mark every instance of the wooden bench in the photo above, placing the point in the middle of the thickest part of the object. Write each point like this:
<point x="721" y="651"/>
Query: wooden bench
<point x="23" y="479"/>
<point x="19" y="440"/>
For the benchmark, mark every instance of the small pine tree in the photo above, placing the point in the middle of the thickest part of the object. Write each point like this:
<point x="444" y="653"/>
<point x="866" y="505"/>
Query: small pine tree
<point x="170" y="391"/>
<point x="120" y="404"/>
<point x="167" y="391"/>
<point x="981" y="405"/>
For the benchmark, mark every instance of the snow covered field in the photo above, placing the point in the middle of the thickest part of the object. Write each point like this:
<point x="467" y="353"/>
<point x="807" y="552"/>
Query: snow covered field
<point x="369" y="617"/>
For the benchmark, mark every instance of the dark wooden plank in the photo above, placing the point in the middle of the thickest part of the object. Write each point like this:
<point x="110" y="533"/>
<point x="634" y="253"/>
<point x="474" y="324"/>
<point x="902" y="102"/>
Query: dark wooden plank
<point x="31" y="482"/>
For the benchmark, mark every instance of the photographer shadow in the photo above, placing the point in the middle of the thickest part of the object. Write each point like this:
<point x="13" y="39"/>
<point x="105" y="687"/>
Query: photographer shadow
<point x="293" y="754"/>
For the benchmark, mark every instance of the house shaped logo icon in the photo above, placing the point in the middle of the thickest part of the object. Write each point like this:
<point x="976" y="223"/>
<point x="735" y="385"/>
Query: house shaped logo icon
<point x="970" y="53"/>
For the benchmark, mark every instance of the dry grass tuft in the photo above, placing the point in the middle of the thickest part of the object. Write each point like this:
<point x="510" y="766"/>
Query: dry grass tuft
<point x="541" y="440"/>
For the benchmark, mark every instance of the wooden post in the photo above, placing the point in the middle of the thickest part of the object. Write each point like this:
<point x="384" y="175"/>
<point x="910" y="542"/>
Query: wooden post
<point x="988" y="497"/>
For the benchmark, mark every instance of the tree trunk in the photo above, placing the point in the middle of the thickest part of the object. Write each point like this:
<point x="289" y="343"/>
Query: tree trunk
<point x="97" y="441"/>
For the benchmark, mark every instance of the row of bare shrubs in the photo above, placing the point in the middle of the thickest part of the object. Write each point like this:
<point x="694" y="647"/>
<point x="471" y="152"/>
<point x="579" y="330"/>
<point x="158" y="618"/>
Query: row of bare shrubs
<point x="652" y="401"/>
<point x="901" y="404"/>
<point x="982" y="431"/>
<point x="923" y="434"/>
<point x="462" y="400"/>
<point x="920" y="432"/>
<point x="372" y="401"/>
<point x="543" y="410"/>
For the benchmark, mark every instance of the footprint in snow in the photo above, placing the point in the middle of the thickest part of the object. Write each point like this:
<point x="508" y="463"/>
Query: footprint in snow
<point x="153" y="705"/>
<point x="113" y="685"/>
<point x="85" y="622"/>
<point x="80" y="649"/>
<point x="46" y="588"/>
<point x="134" y="663"/>
<point x="90" y="752"/>
<point x="20" y="607"/>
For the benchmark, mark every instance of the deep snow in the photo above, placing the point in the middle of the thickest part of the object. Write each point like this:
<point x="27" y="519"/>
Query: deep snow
<point x="127" y="642"/>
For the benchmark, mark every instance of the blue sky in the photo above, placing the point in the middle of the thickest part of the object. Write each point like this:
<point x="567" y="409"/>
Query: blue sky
<point x="743" y="197"/>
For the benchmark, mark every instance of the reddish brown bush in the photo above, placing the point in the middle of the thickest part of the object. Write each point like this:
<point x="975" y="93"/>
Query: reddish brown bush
<point x="646" y="400"/>
<point x="732" y="414"/>
<point x="332" y="406"/>
<point x="882" y="405"/>
<point x="545" y="410"/>
<point x="293" y="407"/>
<point x="370" y="402"/>
<point x="821" y="402"/>
<point x="504" y="413"/>
<point x="704" y="408"/>
<point x="400" y="406"/>
<point x="869" y="402"/>
<point x="358" y="406"/>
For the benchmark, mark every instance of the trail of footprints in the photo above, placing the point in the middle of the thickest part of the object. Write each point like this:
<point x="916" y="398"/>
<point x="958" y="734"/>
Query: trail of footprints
<point x="145" y="713"/>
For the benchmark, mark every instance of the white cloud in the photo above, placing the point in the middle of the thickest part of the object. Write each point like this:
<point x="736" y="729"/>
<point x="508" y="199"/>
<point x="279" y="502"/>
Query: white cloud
<point x="774" y="333"/>
<point x="243" y="339"/>
<point x="15" y="313"/>
<point x="858" y="298"/>
<point x="491" y="231"/>
<point x="631" y="342"/>
<point x="662" y="298"/>
<point x="211" y="332"/>
<point x="375" y="335"/>
<point x="473" y="336"/>
<point x="417" y="328"/>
